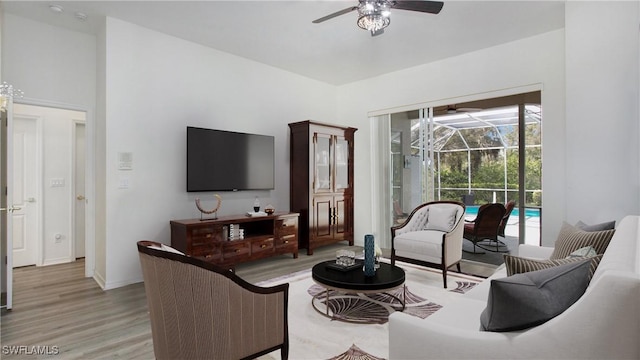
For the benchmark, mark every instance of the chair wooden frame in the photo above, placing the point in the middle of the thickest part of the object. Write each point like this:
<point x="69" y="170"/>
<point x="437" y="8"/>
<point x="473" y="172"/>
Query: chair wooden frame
<point x="176" y="284"/>
<point x="503" y="224"/>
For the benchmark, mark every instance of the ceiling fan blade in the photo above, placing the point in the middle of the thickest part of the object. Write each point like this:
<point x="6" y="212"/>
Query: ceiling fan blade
<point x="432" y="7"/>
<point x="337" y="13"/>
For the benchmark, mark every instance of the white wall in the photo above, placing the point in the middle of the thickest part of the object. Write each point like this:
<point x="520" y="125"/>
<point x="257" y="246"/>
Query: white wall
<point x="156" y="85"/>
<point x="602" y="110"/>
<point x="49" y="63"/>
<point x="520" y="66"/>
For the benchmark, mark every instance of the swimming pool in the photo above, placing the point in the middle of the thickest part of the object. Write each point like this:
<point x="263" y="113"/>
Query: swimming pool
<point x="473" y="210"/>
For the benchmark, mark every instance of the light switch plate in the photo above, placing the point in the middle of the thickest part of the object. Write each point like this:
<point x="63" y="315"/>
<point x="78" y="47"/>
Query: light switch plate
<point x="125" y="161"/>
<point x="56" y="182"/>
<point x="123" y="183"/>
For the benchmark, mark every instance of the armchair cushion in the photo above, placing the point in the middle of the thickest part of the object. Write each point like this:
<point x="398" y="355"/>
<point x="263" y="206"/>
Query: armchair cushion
<point x="529" y="299"/>
<point x="571" y="239"/>
<point x="425" y="242"/>
<point x="441" y="218"/>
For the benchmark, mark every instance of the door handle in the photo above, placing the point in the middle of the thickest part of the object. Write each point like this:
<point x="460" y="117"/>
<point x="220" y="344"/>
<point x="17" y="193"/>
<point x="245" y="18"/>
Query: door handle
<point x="11" y="209"/>
<point x="80" y="197"/>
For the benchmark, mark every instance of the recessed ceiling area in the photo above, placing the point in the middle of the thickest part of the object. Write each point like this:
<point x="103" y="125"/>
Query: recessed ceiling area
<point x="337" y="51"/>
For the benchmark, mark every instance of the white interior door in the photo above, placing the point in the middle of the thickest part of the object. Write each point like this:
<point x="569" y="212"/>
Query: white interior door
<point x="25" y="189"/>
<point x="79" y="178"/>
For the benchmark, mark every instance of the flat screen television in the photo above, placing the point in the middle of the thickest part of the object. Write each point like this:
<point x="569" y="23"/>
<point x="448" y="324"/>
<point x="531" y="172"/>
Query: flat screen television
<point x="220" y="160"/>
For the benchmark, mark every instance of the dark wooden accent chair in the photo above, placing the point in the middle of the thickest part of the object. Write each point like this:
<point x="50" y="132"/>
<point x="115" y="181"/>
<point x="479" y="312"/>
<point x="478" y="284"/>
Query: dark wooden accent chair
<point x="503" y="224"/>
<point x="485" y="226"/>
<point x="201" y="311"/>
<point x="431" y="236"/>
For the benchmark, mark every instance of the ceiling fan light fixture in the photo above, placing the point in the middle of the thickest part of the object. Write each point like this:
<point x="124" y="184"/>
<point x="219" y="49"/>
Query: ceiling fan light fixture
<point x="373" y="15"/>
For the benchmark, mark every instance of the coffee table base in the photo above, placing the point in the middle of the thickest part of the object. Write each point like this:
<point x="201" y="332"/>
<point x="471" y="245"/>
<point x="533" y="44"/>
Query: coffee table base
<point x="327" y="292"/>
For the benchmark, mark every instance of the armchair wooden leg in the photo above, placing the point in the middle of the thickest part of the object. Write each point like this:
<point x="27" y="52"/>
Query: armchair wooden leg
<point x="444" y="275"/>
<point x="458" y="266"/>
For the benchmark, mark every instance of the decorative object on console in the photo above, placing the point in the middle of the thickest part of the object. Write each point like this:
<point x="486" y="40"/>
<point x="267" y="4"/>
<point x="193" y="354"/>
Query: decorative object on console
<point x="256" y="205"/>
<point x="214" y="211"/>
<point x="269" y="209"/>
<point x="369" y="255"/>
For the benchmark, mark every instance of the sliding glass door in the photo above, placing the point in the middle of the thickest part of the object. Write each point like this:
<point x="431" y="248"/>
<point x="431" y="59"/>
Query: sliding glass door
<point x="491" y="153"/>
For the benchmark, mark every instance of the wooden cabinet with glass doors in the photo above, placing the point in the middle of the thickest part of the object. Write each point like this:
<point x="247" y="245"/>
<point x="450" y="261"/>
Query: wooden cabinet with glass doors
<point x="321" y="187"/>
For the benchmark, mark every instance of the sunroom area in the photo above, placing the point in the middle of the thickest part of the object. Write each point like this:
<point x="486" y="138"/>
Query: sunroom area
<point x="478" y="152"/>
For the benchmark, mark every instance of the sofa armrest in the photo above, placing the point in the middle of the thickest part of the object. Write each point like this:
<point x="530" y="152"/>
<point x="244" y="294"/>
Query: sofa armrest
<point x="602" y="324"/>
<point x="534" y="252"/>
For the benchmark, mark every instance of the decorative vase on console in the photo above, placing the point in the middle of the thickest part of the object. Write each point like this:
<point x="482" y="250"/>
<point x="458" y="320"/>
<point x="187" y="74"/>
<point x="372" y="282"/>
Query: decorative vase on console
<point x="369" y="255"/>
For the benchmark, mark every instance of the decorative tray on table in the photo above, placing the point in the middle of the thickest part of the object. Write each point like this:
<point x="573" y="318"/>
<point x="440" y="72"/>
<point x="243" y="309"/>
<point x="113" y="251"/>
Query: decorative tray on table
<point x="333" y="266"/>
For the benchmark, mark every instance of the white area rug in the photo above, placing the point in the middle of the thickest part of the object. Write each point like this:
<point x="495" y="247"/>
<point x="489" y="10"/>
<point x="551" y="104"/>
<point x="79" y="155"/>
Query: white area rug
<point x="313" y="336"/>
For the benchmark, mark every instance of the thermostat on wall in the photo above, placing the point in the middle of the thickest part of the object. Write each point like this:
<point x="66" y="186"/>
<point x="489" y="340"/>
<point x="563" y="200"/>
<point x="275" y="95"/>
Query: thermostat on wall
<point x="125" y="161"/>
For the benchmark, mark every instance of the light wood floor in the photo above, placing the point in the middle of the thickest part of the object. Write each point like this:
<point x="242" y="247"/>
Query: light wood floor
<point x="55" y="307"/>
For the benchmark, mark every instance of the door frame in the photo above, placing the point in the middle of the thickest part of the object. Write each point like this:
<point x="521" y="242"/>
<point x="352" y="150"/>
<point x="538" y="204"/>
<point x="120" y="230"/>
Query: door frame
<point x="74" y="193"/>
<point x="90" y="205"/>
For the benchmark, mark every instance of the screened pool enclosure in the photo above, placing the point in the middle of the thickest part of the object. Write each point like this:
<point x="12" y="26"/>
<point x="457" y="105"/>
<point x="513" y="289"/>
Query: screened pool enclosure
<point x="475" y="155"/>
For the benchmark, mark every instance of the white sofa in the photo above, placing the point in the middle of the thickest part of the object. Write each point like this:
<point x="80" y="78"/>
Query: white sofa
<point x="603" y="324"/>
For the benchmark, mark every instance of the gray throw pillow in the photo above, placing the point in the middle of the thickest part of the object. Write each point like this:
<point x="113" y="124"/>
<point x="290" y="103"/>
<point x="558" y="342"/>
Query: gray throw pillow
<point x="571" y="239"/>
<point x="609" y="225"/>
<point x="525" y="300"/>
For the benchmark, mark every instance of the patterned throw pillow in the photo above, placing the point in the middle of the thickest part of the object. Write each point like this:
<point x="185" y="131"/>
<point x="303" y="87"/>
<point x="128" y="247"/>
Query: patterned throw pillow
<point x="518" y="265"/>
<point x="587" y="251"/>
<point x="571" y="239"/>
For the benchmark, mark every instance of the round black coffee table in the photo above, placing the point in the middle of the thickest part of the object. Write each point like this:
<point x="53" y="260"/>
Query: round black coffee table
<point x="387" y="278"/>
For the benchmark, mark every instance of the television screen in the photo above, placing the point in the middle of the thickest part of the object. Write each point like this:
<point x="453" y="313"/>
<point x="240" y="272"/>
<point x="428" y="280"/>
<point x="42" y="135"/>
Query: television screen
<point x="220" y="160"/>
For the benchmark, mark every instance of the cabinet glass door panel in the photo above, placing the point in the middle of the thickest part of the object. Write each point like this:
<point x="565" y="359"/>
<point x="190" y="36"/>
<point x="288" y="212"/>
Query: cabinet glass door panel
<point x="322" y="163"/>
<point x="342" y="164"/>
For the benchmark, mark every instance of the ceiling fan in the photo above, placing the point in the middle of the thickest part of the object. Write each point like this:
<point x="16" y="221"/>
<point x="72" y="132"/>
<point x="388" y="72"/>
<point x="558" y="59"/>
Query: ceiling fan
<point x="374" y="15"/>
<point x="453" y="109"/>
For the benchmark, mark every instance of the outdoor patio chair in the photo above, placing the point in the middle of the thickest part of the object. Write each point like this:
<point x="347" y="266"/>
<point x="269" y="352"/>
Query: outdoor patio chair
<point x="201" y="311"/>
<point x="485" y="226"/>
<point x="503" y="224"/>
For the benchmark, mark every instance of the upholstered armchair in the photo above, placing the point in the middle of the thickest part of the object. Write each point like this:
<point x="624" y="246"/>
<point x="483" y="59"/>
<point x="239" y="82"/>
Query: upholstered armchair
<point x="200" y="311"/>
<point x="431" y="236"/>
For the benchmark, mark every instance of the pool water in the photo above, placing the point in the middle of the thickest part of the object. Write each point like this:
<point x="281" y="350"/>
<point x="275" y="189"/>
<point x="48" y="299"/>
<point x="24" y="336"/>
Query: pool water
<point x="473" y="210"/>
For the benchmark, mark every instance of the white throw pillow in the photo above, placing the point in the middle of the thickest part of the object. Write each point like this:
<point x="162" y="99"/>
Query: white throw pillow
<point x="441" y="218"/>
